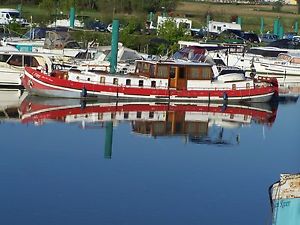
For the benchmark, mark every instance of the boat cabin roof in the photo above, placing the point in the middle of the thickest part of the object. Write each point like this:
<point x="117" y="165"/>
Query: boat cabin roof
<point x="174" y="63"/>
<point x="293" y="58"/>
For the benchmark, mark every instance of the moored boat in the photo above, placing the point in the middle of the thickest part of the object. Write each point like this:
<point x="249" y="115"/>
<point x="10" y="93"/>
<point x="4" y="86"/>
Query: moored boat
<point x="12" y="63"/>
<point x="285" y="200"/>
<point x="173" y="80"/>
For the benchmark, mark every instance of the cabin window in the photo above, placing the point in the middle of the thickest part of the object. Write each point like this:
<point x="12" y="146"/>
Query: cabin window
<point x="89" y="79"/>
<point x="181" y="72"/>
<point x="126" y="115"/>
<point x="146" y="67"/>
<point x="143" y="67"/>
<point x="100" y="116"/>
<point x="234" y="87"/>
<point x="141" y="83"/>
<point x="30" y="61"/>
<point x="16" y="60"/>
<point x="102" y="80"/>
<point x="115" y="81"/>
<point x="248" y="85"/>
<point x="152" y="71"/>
<point x="193" y="73"/>
<point x="138" y="115"/>
<point x="153" y="83"/>
<point x="4" y="58"/>
<point x="172" y="71"/>
<point x="206" y="73"/>
<point x="162" y="71"/>
<point x="128" y="82"/>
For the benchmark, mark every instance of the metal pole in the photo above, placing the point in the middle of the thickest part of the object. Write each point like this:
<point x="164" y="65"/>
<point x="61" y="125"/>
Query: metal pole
<point x="114" y="46"/>
<point x="72" y="17"/>
<point x="296" y="27"/>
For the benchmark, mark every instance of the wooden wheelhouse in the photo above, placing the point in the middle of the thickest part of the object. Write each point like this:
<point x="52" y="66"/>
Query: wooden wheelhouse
<point x="177" y="75"/>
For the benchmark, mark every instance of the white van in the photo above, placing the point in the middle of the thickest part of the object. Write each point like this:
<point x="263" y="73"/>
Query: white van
<point x="11" y="15"/>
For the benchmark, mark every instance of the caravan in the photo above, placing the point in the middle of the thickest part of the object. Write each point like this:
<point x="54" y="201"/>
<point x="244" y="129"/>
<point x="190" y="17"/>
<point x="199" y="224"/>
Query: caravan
<point x="11" y="15"/>
<point x="218" y="27"/>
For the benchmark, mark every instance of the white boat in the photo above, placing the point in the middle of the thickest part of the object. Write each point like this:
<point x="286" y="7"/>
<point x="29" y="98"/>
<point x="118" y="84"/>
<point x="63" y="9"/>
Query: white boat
<point x="55" y="42"/>
<point x="286" y="67"/>
<point x="12" y="65"/>
<point x="97" y="59"/>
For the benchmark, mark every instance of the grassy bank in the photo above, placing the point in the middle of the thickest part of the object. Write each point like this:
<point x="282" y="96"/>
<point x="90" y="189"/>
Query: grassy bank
<point x="250" y="14"/>
<point x="196" y="11"/>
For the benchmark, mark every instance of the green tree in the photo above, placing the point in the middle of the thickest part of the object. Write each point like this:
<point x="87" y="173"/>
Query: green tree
<point x="169" y="32"/>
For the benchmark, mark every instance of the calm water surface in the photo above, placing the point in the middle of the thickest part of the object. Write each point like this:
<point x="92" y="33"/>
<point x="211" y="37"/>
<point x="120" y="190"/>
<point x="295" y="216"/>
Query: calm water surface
<point x="211" y="168"/>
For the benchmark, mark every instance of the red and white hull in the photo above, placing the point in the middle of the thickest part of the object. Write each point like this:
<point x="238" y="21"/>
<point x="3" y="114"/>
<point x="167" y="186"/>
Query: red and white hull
<point x="38" y="83"/>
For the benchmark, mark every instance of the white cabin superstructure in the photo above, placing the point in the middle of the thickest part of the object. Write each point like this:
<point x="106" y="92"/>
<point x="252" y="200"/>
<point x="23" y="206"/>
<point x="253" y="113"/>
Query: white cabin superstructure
<point x="12" y="65"/>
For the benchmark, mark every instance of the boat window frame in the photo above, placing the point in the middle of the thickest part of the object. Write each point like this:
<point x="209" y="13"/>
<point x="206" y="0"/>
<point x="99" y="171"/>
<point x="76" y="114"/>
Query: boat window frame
<point x="16" y="62"/>
<point x="102" y="80"/>
<point x="206" y="73"/>
<point x="115" y="81"/>
<point x="153" y="84"/>
<point x="165" y="74"/>
<point x="191" y="75"/>
<point x="33" y="62"/>
<point x="128" y="82"/>
<point x="141" y="83"/>
<point x="171" y="72"/>
<point x="3" y="56"/>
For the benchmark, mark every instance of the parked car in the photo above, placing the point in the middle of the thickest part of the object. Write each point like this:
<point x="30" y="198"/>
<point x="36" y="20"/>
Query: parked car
<point x="289" y="35"/>
<point x="246" y="36"/>
<point x="110" y="27"/>
<point x="267" y="38"/>
<point x="251" y="37"/>
<point x="285" y="43"/>
<point x="199" y="33"/>
<point x="97" y="26"/>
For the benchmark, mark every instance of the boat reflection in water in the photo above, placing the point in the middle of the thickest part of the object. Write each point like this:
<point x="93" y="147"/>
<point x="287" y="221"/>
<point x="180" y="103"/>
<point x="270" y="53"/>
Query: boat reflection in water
<point x="193" y="121"/>
<point x="285" y="200"/>
<point x="289" y="91"/>
<point x="10" y="100"/>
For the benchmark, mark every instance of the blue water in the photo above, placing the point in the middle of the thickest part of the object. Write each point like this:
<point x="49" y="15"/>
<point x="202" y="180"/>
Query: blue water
<point x="56" y="173"/>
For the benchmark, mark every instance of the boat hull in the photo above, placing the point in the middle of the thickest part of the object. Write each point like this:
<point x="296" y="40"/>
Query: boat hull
<point x="285" y="196"/>
<point x="41" y="84"/>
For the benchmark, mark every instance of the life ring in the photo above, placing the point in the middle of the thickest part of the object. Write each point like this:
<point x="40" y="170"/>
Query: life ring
<point x="252" y="75"/>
